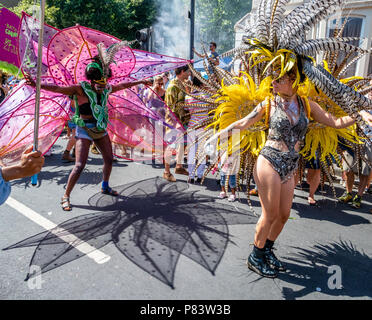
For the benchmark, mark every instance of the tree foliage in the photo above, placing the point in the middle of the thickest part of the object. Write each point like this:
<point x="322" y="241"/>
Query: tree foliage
<point x="216" y="19"/>
<point x="32" y="7"/>
<point x="120" y="18"/>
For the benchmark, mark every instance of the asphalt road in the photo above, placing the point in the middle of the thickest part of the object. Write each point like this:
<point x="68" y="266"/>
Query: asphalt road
<point x="171" y="241"/>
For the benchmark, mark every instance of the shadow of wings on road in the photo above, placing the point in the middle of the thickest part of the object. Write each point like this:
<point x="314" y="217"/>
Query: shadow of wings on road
<point x="152" y="222"/>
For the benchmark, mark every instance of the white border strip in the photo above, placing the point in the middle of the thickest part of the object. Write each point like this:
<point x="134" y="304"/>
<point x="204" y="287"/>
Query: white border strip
<point x="84" y="247"/>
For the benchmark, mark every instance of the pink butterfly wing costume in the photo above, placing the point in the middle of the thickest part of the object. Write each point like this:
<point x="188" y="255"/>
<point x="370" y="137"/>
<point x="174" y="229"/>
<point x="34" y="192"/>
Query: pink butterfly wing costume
<point x="135" y="129"/>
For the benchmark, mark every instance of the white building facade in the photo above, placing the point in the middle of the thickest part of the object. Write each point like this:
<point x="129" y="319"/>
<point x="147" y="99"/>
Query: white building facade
<point x="359" y="24"/>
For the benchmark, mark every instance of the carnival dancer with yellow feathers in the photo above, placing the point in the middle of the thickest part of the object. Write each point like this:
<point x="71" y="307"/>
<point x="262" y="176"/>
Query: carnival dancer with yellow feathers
<point x="281" y="73"/>
<point x="278" y="160"/>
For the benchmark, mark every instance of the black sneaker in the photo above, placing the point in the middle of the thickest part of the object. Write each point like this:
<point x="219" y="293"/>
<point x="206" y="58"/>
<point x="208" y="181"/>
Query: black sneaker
<point x="260" y="266"/>
<point x="191" y="181"/>
<point x="199" y="180"/>
<point x="346" y="197"/>
<point x="357" y="202"/>
<point x="273" y="261"/>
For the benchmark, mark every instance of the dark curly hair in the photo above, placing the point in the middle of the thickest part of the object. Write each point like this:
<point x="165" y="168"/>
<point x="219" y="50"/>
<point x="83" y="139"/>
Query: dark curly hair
<point x="180" y="69"/>
<point x="93" y="73"/>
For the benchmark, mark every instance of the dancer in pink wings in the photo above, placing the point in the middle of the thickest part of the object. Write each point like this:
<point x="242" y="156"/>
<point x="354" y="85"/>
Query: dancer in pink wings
<point x="91" y="118"/>
<point x="66" y="56"/>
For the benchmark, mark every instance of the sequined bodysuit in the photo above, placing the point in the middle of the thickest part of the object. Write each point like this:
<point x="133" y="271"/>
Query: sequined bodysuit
<point x="284" y="140"/>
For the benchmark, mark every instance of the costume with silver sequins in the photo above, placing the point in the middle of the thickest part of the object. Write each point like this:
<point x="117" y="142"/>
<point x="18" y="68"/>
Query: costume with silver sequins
<point x="282" y="130"/>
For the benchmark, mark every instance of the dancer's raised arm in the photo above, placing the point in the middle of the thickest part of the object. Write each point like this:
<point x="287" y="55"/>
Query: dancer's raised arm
<point x="242" y="124"/>
<point x="330" y="120"/>
<point x="126" y="85"/>
<point x="66" y="90"/>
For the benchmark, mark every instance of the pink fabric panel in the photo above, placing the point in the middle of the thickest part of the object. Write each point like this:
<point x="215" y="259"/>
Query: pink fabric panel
<point x="136" y="127"/>
<point x="72" y="49"/>
<point x="28" y="45"/>
<point x="66" y="53"/>
<point x="17" y="124"/>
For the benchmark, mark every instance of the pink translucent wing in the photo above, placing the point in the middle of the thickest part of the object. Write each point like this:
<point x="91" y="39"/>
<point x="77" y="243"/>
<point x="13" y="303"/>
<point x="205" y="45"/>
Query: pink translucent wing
<point x="72" y="49"/>
<point x="28" y="46"/>
<point x="136" y="130"/>
<point x="20" y="94"/>
<point x="124" y="58"/>
<point x="17" y="130"/>
<point x="65" y="56"/>
<point x="67" y="52"/>
<point x="149" y="64"/>
<point x="18" y="110"/>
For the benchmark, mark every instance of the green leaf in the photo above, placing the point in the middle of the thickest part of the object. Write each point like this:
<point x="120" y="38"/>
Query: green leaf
<point x="113" y="19"/>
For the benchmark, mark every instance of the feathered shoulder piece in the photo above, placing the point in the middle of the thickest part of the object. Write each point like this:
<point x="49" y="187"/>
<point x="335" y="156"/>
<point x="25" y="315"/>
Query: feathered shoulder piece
<point x="278" y="43"/>
<point x="107" y="56"/>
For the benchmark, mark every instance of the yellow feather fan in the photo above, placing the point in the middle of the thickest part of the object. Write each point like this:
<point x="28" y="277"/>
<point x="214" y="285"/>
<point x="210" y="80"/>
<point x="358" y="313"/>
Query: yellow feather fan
<point x="321" y="137"/>
<point x="236" y="102"/>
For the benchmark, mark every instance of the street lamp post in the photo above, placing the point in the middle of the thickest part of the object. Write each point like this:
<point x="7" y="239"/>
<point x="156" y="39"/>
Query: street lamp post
<point x="192" y="27"/>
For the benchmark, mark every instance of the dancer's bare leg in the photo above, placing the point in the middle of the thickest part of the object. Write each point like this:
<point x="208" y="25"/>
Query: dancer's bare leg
<point x="81" y="153"/>
<point x="349" y="181"/>
<point x="71" y="141"/>
<point x="180" y="155"/>
<point x="167" y="159"/>
<point x="363" y="181"/>
<point x="105" y="147"/>
<point x="369" y="180"/>
<point x="269" y="184"/>
<point x="313" y="179"/>
<point x="70" y="144"/>
<point x="286" y="200"/>
<point x="179" y="158"/>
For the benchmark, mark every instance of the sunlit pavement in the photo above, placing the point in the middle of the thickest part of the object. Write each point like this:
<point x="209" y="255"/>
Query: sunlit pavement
<point x="327" y="249"/>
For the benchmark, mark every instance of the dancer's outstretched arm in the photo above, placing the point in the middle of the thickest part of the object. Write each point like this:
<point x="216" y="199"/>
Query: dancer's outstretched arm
<point x="126" y="85"/>
<point x="76" y="89"/>
<point x="241" y="124"/>
<point x="199" y="54"/>
<point x="66" y="90"/>
<point x="330" y="120"/>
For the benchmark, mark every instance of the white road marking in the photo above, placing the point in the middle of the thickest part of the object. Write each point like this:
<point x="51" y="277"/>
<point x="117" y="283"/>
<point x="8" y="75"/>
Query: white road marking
<point x="84" y="247"/>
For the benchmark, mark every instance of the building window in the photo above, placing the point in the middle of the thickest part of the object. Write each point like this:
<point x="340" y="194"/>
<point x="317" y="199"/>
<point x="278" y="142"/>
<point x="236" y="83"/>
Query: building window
<point x="352" y="28"/>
